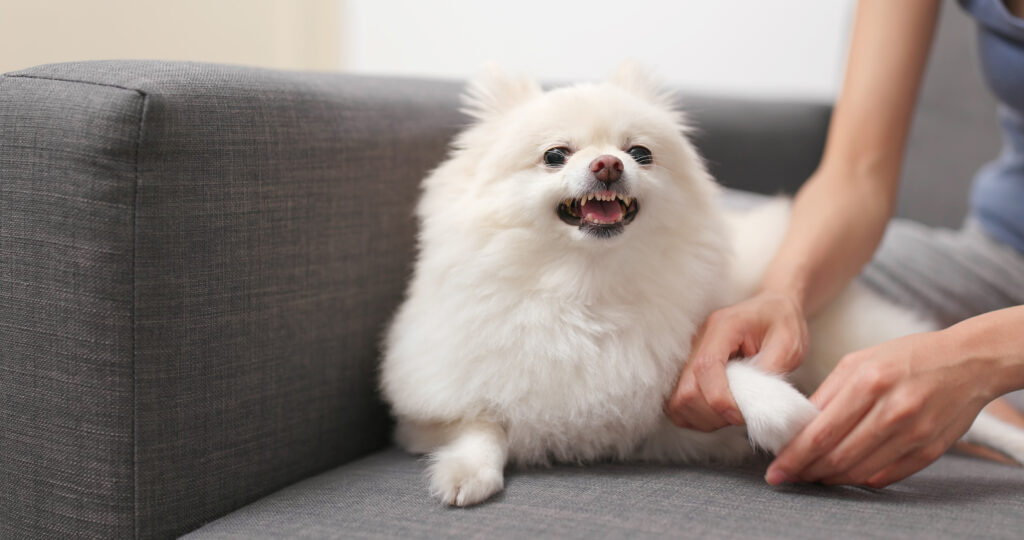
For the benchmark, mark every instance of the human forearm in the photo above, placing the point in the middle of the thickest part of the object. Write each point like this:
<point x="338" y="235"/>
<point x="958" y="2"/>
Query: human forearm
<point x="993" y="344"/>
<point x="840" y="214"/>
<point x="834" y="229"/>
<point x="888" y="53"/>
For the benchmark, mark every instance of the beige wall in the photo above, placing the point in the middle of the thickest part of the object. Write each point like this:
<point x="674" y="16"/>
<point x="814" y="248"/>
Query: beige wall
<point x="293" y="34"/>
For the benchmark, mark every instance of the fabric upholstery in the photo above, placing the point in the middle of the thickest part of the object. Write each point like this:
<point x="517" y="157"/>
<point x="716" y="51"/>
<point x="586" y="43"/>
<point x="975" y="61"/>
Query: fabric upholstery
<point x="197" y="263"/>
<point x="754" y="146"/>
<point x="385" y="496"/>
<point x="67" y="188"/>
<point x="196" y="267"/>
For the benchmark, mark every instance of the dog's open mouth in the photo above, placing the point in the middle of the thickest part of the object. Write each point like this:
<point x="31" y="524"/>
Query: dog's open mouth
<point x="604" y="213"/>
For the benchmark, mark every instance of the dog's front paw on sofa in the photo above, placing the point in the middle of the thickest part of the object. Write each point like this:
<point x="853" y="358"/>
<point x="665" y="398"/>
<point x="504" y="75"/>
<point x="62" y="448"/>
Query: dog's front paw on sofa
<point x="462" y="481"/>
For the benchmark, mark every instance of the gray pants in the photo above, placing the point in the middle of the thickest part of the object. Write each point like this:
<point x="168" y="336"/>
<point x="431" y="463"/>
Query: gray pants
<point x="947" y="275"/>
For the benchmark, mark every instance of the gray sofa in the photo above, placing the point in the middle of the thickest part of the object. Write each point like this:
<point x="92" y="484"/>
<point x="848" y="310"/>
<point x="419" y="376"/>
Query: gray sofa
<point x="196" y="263"/>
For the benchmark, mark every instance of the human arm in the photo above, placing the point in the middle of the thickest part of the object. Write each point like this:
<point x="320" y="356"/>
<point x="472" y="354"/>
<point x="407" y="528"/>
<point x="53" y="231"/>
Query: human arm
<point x="889" y="411"/>
<point x="837" y="219"/>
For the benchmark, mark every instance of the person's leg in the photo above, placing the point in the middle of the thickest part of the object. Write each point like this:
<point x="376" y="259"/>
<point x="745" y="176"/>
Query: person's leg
<point x="946" y="275"/>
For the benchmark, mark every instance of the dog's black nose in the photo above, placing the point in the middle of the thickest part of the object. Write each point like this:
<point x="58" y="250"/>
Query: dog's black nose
<point x="606" y="168"/>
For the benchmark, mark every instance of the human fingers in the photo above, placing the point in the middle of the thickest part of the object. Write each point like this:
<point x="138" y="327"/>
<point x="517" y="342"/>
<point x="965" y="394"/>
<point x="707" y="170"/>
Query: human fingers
<point x="714" y="386"/>
<point x="912" y="420"/>
<point x="899" y="421"/>
<point x="836" y="380"/>
<point x="688" y="408"/>
<point x="863" y="440"/>
<point x="689" y="404"/>
<point x="906" y="466"/>
<point x="819" y="437"/>
<point x="784" y="347"/>
<point x="866" y="385"/>
<point x="920" y="458"/>
<point x="891" y="451"/>
<point x="858" y="465"/>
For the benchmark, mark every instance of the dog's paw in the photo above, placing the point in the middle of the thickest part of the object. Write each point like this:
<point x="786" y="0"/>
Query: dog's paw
<point x="463" y="482"/>
<point x="773" y="411"/>
<point x="773" y="431"/>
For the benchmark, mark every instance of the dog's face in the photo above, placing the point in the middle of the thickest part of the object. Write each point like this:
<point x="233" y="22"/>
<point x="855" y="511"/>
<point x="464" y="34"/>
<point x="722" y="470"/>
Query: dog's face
<point x="586" y="163"/>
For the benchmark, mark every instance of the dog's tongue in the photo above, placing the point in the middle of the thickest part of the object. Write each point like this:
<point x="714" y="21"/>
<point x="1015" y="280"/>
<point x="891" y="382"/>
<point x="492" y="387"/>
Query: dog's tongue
<point x="601" y="211"/>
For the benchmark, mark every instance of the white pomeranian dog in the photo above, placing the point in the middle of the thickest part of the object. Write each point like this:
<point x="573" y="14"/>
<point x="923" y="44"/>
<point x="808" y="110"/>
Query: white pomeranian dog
<point x="569" y="248"/>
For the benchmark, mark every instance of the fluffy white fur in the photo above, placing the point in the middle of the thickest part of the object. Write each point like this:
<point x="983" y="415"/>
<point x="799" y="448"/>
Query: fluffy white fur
<point x="526" y="340"/>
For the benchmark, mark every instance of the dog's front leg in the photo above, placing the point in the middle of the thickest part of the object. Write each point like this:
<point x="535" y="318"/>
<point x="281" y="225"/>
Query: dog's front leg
<point x="469" y="468"/>
<point x="772" y="409"/>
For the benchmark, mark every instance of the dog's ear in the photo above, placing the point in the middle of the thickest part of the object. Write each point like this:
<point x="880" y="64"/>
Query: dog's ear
<point x="636" y="80"/>
<point x="494" y="92"/>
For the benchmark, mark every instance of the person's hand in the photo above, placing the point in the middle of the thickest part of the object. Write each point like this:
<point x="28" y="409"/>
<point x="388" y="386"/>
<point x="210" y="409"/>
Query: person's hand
<point x="768" y="323"/>
<point x="887" y="412"/>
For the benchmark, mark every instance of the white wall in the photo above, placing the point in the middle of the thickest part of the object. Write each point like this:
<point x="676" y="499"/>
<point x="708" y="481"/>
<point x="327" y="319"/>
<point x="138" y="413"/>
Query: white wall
<point x="273" y="33"/>
<point x="771" y="48"/>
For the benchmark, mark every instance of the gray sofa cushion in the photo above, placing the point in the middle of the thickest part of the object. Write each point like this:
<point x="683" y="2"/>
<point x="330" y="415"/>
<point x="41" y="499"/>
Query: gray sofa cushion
<point x="385" y="496"/>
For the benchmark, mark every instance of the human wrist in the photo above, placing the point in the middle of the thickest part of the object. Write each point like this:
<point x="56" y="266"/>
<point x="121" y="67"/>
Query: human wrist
<point x="794" y="288"/>
<point x="988" y="344"/>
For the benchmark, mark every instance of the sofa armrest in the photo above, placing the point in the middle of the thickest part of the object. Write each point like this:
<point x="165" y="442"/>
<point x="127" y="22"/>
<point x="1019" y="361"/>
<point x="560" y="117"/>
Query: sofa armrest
<point x="196" y="264"/>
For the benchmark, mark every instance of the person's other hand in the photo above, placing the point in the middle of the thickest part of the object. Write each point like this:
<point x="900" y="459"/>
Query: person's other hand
<point x="769" y="324"/>
<point x="887" y="412"/>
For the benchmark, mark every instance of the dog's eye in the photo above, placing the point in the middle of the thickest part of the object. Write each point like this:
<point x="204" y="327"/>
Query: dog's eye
<point x="556" y="157"/>
<point x="640" y="155"/>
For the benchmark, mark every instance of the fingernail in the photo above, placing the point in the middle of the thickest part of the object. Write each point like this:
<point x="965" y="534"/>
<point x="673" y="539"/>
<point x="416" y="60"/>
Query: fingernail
<point x="776" y="477"/>
<point x="733" y="418"/>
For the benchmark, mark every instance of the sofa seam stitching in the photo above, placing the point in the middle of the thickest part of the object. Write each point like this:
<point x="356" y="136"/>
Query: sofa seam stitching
<point x="134" y="304"/>
<point x="144" y="107"/>
<point x="59" y="79"/>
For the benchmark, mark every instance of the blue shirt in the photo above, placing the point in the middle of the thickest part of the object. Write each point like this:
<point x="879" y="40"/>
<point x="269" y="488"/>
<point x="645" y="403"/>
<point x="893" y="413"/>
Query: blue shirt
<point x="997" y="194"/>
